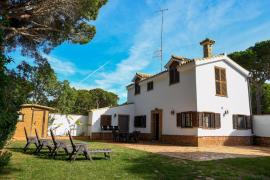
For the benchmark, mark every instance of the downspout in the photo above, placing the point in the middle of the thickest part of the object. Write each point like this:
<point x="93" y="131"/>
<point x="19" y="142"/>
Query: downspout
<point x="250" y="108"/>
<point x="251" y="116"/>
<point x="89" y="124"/>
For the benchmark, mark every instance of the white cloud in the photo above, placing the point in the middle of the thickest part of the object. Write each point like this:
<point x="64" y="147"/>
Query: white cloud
<point x="185" y="24"/>
<point x="63" y="67"/>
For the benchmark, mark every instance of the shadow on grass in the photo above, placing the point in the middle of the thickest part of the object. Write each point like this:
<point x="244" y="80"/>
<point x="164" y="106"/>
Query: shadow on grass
<point x="4" y="161"/>
<point x="162" y="167"/>
<point x="206" y="156"/>
<point x="44" y="154"/>
<point x="152" y="166"/>
<point x="8" y="170"/>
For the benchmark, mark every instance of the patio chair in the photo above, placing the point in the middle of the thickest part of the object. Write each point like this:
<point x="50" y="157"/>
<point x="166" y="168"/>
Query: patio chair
<point x="134" y="136"/>
<point x="77" y="148"/>
<point x="29" y="141"/>
<point x="82" y="148"/>
<point x="57" y="145"/>
<point x="115" y="135"/>
<point x="43" y="143"/>
<point x="123" y="136"/>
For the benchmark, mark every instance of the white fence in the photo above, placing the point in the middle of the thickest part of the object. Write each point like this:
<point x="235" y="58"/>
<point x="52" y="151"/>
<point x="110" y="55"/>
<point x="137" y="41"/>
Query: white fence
<point x="76" y="124"/>
<point x="261" y="125"/>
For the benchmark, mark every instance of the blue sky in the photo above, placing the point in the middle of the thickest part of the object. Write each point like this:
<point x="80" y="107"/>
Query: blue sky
<point x="128" y="34"/>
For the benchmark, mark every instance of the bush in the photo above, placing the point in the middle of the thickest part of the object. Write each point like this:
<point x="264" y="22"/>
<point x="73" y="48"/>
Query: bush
<point x="4" y="158"/>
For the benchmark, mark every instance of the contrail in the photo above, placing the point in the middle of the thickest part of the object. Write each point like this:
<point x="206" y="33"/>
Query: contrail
<point x="92" y="73"/>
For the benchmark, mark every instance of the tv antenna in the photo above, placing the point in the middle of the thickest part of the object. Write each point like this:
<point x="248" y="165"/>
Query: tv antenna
<point x="161" y="37"/>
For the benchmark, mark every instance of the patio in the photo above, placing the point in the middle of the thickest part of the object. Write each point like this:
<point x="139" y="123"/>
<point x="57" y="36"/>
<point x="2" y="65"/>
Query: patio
<point x="200" y="153"/>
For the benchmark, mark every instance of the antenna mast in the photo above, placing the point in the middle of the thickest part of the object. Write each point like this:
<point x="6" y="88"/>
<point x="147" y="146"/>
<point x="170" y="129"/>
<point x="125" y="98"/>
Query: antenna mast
<point x="161" y="37"/>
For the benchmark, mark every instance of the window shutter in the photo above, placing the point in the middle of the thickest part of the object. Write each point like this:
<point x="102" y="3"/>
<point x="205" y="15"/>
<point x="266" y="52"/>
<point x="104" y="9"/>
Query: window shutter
<point x="218" y="88"/>
<point x="235" y="124"/>
<point x="179" y="119"/>
<point x="248" y="120"/>
<point x="194" y="119"/>
<point x="212" y="120"/>
<point x="217" y="120"/>
<point x="200" y="119"/>
<point x="224" y="88"/>
<point x="223" y="75"/>
<point x="217" y="74"/>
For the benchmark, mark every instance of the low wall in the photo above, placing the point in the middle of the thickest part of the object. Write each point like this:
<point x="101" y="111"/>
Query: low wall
<point x="261" y="127"/>
<point x="94" y="116"/>
<point x="61" y="124"/>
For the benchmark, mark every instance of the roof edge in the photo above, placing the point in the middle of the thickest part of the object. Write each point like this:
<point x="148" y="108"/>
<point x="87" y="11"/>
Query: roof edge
<point x="38" y="106"/>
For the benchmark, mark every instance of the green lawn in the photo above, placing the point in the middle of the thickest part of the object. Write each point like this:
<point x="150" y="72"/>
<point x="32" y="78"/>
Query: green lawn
<point x="128" y="164"/>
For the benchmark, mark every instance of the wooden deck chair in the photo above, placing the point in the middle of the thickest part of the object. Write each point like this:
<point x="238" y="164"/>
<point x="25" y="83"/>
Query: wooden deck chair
<point x="82" y="148"/>
<point x="57" y="145"/>
<point x="29" y="141"/>
<point x="78" y="148"/>
<point x="43" y="143"/>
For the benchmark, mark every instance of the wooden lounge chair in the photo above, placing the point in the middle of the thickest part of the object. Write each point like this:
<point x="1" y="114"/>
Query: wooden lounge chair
<point x="57" y="145"/>
<point x="81" y="148"/>
<point x="43" y="143"/>
<point x="29" y="141"/>
<point x="78" y="148"/>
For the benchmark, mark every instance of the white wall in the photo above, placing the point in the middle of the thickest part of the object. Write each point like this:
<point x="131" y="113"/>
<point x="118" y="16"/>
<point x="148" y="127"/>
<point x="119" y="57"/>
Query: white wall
<point x="94" y="116"/>
<point x="237" y="101"/>
<point x="77" y="124"/>
<point x="178" y="97"/>
<point x="261" y="125"/>
<point x="194" y="92"/>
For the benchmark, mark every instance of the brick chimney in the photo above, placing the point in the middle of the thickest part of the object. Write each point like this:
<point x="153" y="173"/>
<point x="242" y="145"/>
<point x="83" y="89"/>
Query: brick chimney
<point x="207" y="47"/>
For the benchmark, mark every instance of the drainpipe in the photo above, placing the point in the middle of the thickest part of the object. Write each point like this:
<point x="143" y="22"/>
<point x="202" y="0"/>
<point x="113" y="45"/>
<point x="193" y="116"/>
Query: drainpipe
<point x="250" y="108"/>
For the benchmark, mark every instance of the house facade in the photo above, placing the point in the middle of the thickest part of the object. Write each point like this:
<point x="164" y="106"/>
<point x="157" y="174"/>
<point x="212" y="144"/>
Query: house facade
<point x="202" y="101"/>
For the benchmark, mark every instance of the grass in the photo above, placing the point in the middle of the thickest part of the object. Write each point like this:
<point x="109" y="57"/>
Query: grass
<point x="128" y="164"/>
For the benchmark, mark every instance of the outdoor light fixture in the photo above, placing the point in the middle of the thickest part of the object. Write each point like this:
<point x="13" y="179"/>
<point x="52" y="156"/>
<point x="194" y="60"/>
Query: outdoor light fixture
<point x="225" y="112"/>
<point x="114" y="115"/>
<point x="172" y="112"/>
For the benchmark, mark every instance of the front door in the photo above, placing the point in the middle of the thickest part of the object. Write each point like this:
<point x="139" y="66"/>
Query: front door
<point x="156" y="124"/>
<point x="123" y="123"/>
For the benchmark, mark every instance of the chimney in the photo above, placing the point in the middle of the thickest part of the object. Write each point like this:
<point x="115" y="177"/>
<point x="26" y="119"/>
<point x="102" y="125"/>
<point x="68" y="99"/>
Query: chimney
<point x="207" y="47"/>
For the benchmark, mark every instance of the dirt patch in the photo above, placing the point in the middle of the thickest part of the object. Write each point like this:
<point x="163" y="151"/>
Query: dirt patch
<point x="201" y="153"/>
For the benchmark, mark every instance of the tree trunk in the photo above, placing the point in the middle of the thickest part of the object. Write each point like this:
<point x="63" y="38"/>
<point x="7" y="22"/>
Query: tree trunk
<point x="258" y="98"/>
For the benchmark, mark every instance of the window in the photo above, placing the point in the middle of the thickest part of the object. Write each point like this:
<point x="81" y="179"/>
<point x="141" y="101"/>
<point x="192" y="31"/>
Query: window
<point x="174" y="74"/>
<point x="150" y="86"/>
<point x="105" y="121"/>
<point x="21" y="117"/>
<point x="209" y="120"/>
<point x="198" y="119"/>
<point x="184" y="119"/>
<point x="137" y="88"/>
<point x="241" y="122"/>
<point x="140" y="121"/>
<point x="220" y="79"/>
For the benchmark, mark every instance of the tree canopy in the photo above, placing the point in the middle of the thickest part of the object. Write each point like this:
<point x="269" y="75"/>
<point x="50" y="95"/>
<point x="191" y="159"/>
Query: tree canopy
<point x="72" y="101"/>
<point x="256" y="59"/>
<point x="34" y="26"/>
<point x="45" y="24"/>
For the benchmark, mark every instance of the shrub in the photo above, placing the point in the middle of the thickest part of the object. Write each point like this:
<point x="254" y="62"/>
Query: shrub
<point x="4" y="158"/>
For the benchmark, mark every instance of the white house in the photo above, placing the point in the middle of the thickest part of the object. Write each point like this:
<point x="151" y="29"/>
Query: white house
<point x="202" y="101"/>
